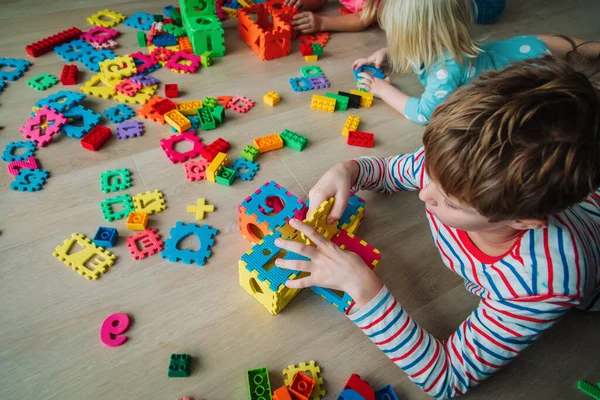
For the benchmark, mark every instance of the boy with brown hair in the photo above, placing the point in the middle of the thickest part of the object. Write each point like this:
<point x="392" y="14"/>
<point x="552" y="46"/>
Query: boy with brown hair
<point x="509" y="173"/>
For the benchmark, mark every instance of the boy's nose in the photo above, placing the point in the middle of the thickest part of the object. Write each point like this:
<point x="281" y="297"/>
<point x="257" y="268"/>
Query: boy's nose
<point x="425" y="196"/>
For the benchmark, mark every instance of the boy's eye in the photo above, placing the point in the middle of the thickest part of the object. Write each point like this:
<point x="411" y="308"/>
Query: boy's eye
<point x="449" y="205"/>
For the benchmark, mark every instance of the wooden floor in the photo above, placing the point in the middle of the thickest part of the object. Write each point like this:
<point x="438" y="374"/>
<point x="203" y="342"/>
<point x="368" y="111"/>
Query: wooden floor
<point x="50" y="316"/>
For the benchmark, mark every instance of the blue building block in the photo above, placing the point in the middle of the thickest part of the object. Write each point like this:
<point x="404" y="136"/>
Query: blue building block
<point x="106" y="237"/>
<point x="81" y="121"/>
<point x="250" y="167"/>
<point x="386" y="393"/>
<point x="233" y="4"/>
<point x="29" y="146"/>
<point x="194" y="121"/>
<point x="119" y="113"/>
<point x="301" y="84"/>
<point x="61" y="101"/>
<point x="73" y="50"/>
<point x="164" y="39"/>
<point x="341" y="302"/>
<point x="354" y="203"/>
<point x="370" y="69"/>
<point x="349" y="394"/>
<point x="29" y="180"/>
<point x="167" y="9"/>
<point x="204" y="234"/>
<point x="140" y="20"/>
<point x="20" y="67"/>
<point x="256" y="201"/>
<point x="92" y="60"/>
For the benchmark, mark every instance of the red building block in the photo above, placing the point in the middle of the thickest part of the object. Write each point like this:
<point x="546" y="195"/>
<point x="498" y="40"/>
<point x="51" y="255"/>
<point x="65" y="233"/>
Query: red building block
<point x="361" y="139"/>
<point x="218" y="146"/>
<point x="172" y="90"/>
<point x="48" y="44"/>
<point x="164" y="106"/>
<point x="68" y="76"/>
<point x="96" y="138"/>
<point x="361" y="387"/>
<point x="302" y="386"/>
<point x="306" y="50"/>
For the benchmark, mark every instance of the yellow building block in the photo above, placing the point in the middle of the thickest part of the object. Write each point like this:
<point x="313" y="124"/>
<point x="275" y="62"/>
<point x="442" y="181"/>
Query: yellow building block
<point x="137" y="220"/>
<point x="318" y="220"/>
<point x="351" y="124"/>
<point x="106" y="19"/>
<point x="200" y="208"/>
<point x="189" y="107"/>
<point x="312" y="58"/>
<point x="366" y="98"/>
<point x="150" y="202"/>
<point x="178" y="121"/>
<point x="268" y="143"/>
<point x="272" y="98"/>
<point x="141" y="97"/>
<point x="118" y="68"/>
<point x="323" y="103"/>
<point x="96" y="87"/>
<point x="219" y="161"/>
<point x="91" y="261"/>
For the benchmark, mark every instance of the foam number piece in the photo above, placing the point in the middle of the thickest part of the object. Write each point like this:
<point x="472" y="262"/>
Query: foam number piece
<point x="35" y="131"/>
<point x="113" y="328"/>
<point x="15" y="166"/>
<point x="80" y="121"/>
<point x="96" y="87"/>
<point x="119" y="113"/>
<point x="140" y="20"/>
<point x="8" y="153"/>
<point x="20" y="67"/>
<point x="118" y="68"/>
<point x="144" y="244"/>
<point x="353" y="214"/>
<point x="150" y="202"/>
<point x="301" y="84"/>
<point x="90" y="262"/>
<point x="204" y="234"/>
<point x="29" y="180"/>
<point x="130" y="129"/>
<point x="106" y="18"/>
<point x="196" y="170"/>
<point x="314" y="371"/>
<point x="256" y="204"/>
<point x="110" y="214"/>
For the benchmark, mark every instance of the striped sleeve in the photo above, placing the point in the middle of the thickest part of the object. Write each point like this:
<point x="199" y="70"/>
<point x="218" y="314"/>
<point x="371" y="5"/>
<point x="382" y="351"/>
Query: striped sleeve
<point x="492" y="336"/>
<point x="391" y="174"/>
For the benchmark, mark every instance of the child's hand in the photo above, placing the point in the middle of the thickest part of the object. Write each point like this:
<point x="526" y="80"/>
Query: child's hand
<point x="293" y="3"/>
<point x="336" y="183"/>
<point x="307" y="22"/>
<point x="329" y="266"/>
<point x="376" y="58"/>
<point x="372" y="84"/>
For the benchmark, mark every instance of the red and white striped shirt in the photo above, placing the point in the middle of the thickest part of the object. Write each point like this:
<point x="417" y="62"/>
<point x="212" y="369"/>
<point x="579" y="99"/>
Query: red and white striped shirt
<point x="547" y="272"/>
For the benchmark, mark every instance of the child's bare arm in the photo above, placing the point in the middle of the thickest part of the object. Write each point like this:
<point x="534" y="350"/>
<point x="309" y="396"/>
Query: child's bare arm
<point x="306" y="5"/>
<point x="308" y="22"/>
<point x="561" y="45"/>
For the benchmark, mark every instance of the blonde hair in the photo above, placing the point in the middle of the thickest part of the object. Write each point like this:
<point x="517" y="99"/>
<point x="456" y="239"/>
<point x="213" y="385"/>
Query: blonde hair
<point x="421" y="32"/>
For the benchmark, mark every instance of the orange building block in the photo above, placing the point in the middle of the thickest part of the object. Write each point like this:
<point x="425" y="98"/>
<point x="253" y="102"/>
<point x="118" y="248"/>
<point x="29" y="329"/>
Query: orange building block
<point x="302" y="386"/>
<point x="268" y="143"/>
<point x="185" y="45"/>
<point x="178" y="121"/>
<point x="282" y="394"/>
<point x="137" y="220"/>
<point x="148" y="112"/>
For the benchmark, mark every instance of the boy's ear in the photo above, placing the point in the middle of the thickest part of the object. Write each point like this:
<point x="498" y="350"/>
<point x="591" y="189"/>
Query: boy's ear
<point x="527" y="224"/>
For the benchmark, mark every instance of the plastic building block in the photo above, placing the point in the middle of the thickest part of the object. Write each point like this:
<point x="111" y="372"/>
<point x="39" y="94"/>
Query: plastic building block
<point x="269" y="40"/>
<point x="386" y="393"/>
<point x="174" y="30"/>
<point x="282" y="394"/>
<point x="204" y="234"/>
<point x="306" y="49"/>
<point x="147" y="111"/>
<point x="196" y="170"/>
<point x="311" y="70"/>
<point x="29" y="180"/>
<point x="250" y="153"/>
<point x="268" y="143"/>
<point x="218" y="112"/>
<point x="106" y="237"/>
<point x="108" y="211"/>
<point x="144" y="244"/>
<point x="164" y="40"/>
<point x="250" y="167"/>
<point x="206" y="58"/>
<point x="349" y="394"/>
<point x="42" y="82"/>
<point x="99" y="34"/>
<point x="351" y="124"/>
<point x="225" y="176"/>
<point x="164" y="106"/>
<point x="113" y="327"/>
<point x="361" y="139"/>
<point x="130" y="129"/>
<point x="140" y="20"/>
<point x="189" y="107"/>
<point x="91" y="261"/>
<point x="172" y="90"/>
<point x="8" y="153"/>
<point x="353" y="100"/>
<point x="179" y="366"/>
<point x="224" y="100"/>
<point x="301" y="84"/>
<point x="176" y="16"/>
<point x="68" y="76"/>
<point x="341" y="103"/>
<point x="177" y="120"/>
<point x="46" y="45"/>
<point x="323" y="103"/>
<point x="317" y="49"/>
<point x="215" y="165"/>
<point x="61" y="101"/>
<point x="119" y="113"/>
<point x="314" y="371"/>
<point x="302" y="386"/>
<point x="144" y="63"/>
<point x="207" y="120"/>
<point x="366" y="99"/>
<point x="218" y="146"/>
<point x="210" y="102"/>
<point x="589" y="389"/>
<point x="311" y="58"/>
<point x="95" y="87"/>
<point x="141" y="38"/>
<point x="118" y="67"/>
<point x="293" y="140"/>
<point x="150" y="202"/>
<point x="96" y="138"/>
<point x="319" y="82"/>
<point x="176" y="62"/>
<point x="106" y="19"/>
<point x="259" y="386"/>
<point x="128" y="88"/>
<point x="320" y="38"/>
<point x="200" y="208"/>
<point x="240" y="104"/>
<point x="168" y="146"/>
<point x="15" y="166"/>
<point x="186" y="46"/>
<point x="272" y="98"/>
<point x="113" y="181"/>
<point x="369" y="69"/>
<point x="35" y="131"/>
<point x="360" y="386"/>
<point x="137" y="220"/>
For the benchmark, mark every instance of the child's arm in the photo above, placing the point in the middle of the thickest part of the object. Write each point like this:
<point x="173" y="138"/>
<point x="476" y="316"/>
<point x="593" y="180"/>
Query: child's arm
<point x="308" y="22"/>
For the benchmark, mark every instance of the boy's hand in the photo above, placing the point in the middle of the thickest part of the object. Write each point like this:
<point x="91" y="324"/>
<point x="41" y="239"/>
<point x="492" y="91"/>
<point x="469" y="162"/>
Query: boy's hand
<point x="372" y="84"/>
<point x="307" y="22"/>
<point x="329" y="266"/>
<point x="336" y="183"/>
<point x="293" y="3"/>
<point x="376" y="58"/>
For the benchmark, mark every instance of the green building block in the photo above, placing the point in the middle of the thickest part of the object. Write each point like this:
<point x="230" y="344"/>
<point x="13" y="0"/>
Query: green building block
<point x="589" y="389"/>
<point x="293" y="140"/>
<point x="219" y="113"/>
<point x="158" y="18"/>
<point x="141" y="36"/>
<point x="317" y="49"/>
<point x="197" y="8"/>
<point x="113" y="181"/>
<point x="210" y="102"/>
<point x="42" y="82"/>
<point x="258" y="384"/>
<point x="311" y="70"/>
<point x="174" y="30"/>
<point x="250" y="153"/>
<point x="179" y="367"/>
<point x="342" y="101"/>
<point x="207" y="121"/>
<point x="175" y="16"/>
<point x="109" y="212"/>
<point x="225" y="176"/>
<point x="206" y="58"/>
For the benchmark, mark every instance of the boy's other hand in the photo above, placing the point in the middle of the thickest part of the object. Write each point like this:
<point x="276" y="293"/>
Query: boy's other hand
<point x="372" y="84"/>
<point x="336" y="183"/>
<point x="307" y="22"/>
<point x="376" y="59"/>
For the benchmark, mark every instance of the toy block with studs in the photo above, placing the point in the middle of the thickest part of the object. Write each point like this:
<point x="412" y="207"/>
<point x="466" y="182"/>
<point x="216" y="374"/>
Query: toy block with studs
<point x="68" y="76"/>
<point x="225" y="176"/>
<point x="48" y="44"/>
<point x="171" y="90"/>
<point x="137" y="220"/>
<point x="177" y="120"/>
<point x="250" y="153"/>
<point x="179" y="366"/>
<point x="323" y="103"/>
<point x="189" y="107"/>
<point x="220" y="145"/>
<point x="142" y="39"/>
<point x="268" y="143"/>
<point x="302" y="386"/>
<point x="96" y="138"/>
<point x="207" y="120"/>
<point x="387" y="393"/>
<point x="361" y="139"/>
<point x="174" y="30"/>
<point x="218" y="112"/>
<point x="293" y="140"/>
<point x="144" y="244"/>
<point x="210" y="102"/>
<point x="150" y="202"/>
<point x="313" y="58"/>
<point x="306" y="50"/>
<point x="168" y="146"/>
<point x="351" y="124"/>
<point x="341" y="103"/>
<point x="113" y="181"/>
<point x="366" y="99"/>
<point x="148" y="112"/>
<point x="106" y="237"/>
<point x="353" y="99"/>
<point x="215" y="165"/>
<point x="282" y="394"/>
<point x="91" y="261"/>
<point x="259" y="386"/>
<point x="200" y="209"/>
<point x="272" y="98"/>
<point x="204" y="234"/>
<point x="206" y="58"/>
<point x="314" y="371"/>
<point x="360" y="386"/>
<point x="108" y="211"/>
<point x="317" y="49"/>
<point x="42" y="82"/>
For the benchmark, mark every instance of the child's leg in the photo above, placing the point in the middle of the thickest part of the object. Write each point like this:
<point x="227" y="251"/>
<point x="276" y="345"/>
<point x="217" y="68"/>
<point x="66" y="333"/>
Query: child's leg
<point x="312" y="5"/>
<point x="561" y="45"/>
